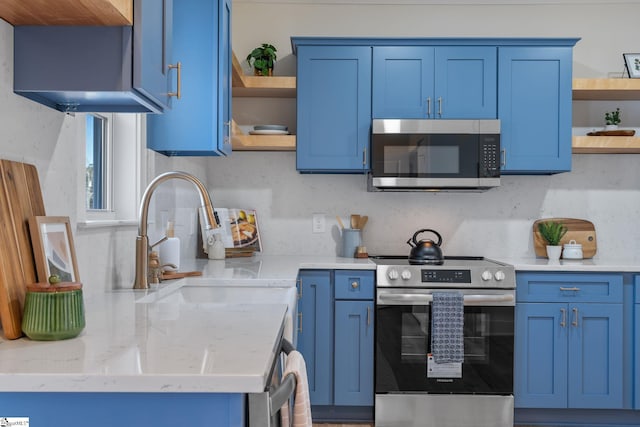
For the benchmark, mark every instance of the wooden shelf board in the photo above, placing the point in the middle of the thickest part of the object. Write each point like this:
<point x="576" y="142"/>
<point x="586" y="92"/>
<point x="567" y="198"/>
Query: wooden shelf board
<point x="606" y="89"/>
<point x="263" y="142"/>
<point x="67" y="12"/>
<point x="605" y="145"/>
<point x="261" y="86"/>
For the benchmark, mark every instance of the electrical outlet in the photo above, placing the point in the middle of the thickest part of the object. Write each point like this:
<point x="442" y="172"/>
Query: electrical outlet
<point x="319" y="223"/>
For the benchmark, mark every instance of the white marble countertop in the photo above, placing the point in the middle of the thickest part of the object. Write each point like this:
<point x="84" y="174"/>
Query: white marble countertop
<point x="596" y="264"/>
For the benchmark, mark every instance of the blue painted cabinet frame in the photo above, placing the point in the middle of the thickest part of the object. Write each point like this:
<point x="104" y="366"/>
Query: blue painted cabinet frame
<point x="443" y="82"/>
<point x="534" y="108"/>
<point x="199" y="123"/>
<point x="333" y="108"/>
<point x="335" y="336"/>
<point x="569" y="340"/>
<point x="98" y="68"/>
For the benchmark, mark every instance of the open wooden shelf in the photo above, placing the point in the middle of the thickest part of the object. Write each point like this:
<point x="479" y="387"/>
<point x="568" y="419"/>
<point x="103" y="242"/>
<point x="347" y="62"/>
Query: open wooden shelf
<point x="243" y="142"/>
<point x="606" y="89"/>
<point x="67" y="12"/>
<point x="605" y="144"/>
<point x="260" y="86"/>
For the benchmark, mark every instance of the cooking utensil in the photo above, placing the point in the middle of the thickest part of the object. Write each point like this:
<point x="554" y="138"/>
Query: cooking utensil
<point x="20" y="198"/>
<point x="425" y="251"/>
<point x="363" y="221"/>
<point x="355" y="220"/>
<point x="340" y="222"/>
<point x="580" y="230"/>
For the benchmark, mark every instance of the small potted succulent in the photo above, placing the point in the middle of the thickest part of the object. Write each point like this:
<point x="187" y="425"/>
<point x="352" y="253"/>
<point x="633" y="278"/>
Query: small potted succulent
<point x="612" y="119"/>
<point x="552" y="232"/>
<point x="262" y="59"/>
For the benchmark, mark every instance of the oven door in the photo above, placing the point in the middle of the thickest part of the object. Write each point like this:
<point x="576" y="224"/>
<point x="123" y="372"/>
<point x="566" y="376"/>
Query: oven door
<point x="403" y="324"/>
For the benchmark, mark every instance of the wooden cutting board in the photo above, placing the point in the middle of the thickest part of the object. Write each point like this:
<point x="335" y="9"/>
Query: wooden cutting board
<point x="20" y="198"/>
<point x="580" y="230"/>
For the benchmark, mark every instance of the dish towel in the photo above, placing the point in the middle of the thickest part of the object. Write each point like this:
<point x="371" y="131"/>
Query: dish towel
<point x="447" y="323"/>
<point x="301" y="404"/>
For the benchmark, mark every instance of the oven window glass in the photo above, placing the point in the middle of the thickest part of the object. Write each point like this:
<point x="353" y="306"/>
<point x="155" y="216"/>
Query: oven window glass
<point x="422" y="159"/>
<point x="403" y="343"/>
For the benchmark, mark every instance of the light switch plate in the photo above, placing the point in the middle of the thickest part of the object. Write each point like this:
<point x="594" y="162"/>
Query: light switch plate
<point x="319" y="223"/>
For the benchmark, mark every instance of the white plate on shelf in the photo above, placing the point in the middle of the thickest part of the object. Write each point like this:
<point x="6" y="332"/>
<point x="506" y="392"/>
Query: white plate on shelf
<point x="269" y="132"/>
<point x="270" y="127"/>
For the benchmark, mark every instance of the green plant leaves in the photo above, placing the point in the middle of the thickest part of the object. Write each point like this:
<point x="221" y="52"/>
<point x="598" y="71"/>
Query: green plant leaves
<point x="263" y="58"/>
<point x="552" y="231"/>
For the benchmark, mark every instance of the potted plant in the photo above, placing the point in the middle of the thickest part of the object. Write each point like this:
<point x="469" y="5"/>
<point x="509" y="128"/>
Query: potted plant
<point x="552" y="232"/>
<point x="612" y="119"/>
<point x="262" y="59"/>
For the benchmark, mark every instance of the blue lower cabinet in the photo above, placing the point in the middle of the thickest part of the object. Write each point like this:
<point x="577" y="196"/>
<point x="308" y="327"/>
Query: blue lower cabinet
<point x="569" y="341"/>
<point x="636" y="354"/>
<point x="126" y="409"/>
<point x="315" y="333"/>
<point x="335" y="336"/>
<point x="354" y="355"/>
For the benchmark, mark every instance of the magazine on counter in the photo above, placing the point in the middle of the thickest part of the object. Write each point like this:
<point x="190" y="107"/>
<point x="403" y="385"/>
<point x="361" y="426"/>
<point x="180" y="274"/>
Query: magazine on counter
<point x="238" y="229"/>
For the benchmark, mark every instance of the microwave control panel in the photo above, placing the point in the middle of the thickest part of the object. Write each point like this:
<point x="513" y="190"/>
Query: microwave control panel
<point x="489" y="156"/>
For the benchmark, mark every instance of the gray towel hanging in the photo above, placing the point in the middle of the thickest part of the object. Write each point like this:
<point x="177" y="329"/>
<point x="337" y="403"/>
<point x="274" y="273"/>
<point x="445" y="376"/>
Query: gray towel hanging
<point x="447" y="324"/>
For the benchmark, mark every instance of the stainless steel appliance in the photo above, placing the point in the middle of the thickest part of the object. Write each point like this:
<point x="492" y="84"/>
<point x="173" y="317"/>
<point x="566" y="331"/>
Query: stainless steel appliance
<point x="411" y="390"/>
<point x="418" y="154"/>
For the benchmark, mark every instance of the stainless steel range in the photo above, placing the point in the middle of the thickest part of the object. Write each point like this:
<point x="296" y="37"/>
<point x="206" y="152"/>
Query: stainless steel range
<point x="412" y="387"/>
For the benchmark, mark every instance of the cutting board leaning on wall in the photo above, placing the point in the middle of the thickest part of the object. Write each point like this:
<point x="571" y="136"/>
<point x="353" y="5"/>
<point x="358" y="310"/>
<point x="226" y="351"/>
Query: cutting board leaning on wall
<point x="580" y="230"/>
<point x="20" y="198"/>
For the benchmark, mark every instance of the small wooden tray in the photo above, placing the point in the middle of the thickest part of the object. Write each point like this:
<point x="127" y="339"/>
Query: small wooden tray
<point x="613" y="133"/>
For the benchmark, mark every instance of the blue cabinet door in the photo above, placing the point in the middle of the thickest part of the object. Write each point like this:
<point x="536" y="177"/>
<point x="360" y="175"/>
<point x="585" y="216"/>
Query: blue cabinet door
<point x="354" y="353"/>
<point x="403" y="82"/>
<point x="198" y="123"/>
<point x="595" y="356"/>
<point x="636" y="347"/>
<point x="534" y="107"/>
<point x="453" y="82"/>
<point x="315" y="333"/>
<point x="334" y="108"/>
<point x="541" y="348"/>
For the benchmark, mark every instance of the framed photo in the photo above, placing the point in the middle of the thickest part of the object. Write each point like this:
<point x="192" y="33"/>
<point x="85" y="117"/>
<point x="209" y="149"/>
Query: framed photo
<point x="53" y="248"/>
<point x="632" y="63"/>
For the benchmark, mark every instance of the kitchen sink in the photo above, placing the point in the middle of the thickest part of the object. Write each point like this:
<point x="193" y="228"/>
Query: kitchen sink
<point x="215" y="293"/>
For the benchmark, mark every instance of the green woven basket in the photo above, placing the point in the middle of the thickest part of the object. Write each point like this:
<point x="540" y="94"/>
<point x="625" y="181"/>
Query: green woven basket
<point x="53" y="312"/>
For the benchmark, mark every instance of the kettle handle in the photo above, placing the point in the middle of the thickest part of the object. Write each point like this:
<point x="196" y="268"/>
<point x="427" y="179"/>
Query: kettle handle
<point x="423" y="231"/>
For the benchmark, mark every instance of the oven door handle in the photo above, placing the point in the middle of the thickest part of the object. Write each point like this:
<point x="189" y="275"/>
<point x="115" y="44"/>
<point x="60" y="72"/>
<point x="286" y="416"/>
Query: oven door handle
<point x="429" y="298"/>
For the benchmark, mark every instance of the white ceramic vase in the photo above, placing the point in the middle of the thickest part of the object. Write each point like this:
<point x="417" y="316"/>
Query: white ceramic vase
<point x="553" y="252"/>
<point x="611" y="127"/>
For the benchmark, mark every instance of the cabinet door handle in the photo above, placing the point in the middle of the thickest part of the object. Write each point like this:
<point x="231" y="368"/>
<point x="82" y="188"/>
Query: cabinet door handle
<point x="439" y="106"/>
<point x="300" y="322"/>
<point x="354" y="285"/>
<point x="575" y="317"/>
<point x="368" y="315"/>
<point x="227" y="137"/>
<point x="503" y="157"/>
<point x="428" y="107"/>
<point x="364" y="157"/>
<point x="299" y="288"/>
<point x="178" y="92"/>
<point x="575" y="289"/>
<point x="563" y="319"/>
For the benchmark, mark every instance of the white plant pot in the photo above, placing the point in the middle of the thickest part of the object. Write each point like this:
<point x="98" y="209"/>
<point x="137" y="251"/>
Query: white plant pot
<point x="611" y="127"/>
<point x="553" y="252"/>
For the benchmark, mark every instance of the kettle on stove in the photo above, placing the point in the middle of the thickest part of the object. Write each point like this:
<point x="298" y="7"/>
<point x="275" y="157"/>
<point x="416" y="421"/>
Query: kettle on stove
<point x="425" y="251"/>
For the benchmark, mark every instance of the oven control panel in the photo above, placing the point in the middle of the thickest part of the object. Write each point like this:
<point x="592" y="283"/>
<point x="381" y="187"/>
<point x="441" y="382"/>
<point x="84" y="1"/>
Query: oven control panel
<point x="446" y="276"/>
<point x="423" y="276"/>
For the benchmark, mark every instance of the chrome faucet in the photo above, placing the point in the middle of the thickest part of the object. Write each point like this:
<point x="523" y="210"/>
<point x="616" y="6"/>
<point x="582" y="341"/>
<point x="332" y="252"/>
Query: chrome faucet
<point x="142" y="241"/>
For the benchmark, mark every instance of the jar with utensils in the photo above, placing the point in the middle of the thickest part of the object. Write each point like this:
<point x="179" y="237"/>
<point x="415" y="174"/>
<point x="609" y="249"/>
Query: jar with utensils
<point x="572" y="250"/>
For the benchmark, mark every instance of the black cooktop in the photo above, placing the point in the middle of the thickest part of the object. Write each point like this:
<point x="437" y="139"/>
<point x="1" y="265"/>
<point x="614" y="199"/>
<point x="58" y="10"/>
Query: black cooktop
<point x="449" y="261"/>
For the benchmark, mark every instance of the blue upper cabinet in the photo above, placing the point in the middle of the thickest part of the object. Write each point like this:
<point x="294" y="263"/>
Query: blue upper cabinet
<point x="199" y="122"/>
<point x="98" y="69"/>
<point x="535" y="102"/>
<point x="334" y="108"/>
<point x="444" y="82"/>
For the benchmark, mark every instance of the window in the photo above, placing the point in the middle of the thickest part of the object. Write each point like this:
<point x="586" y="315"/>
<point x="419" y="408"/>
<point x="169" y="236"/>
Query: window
<point x="98" y="163"/>
<point x="113" y="170"/>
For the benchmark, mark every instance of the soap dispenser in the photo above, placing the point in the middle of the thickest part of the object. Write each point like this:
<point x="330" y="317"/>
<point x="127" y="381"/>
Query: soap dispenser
<point x="170" y="249"/>
<point x="216" y="247"/>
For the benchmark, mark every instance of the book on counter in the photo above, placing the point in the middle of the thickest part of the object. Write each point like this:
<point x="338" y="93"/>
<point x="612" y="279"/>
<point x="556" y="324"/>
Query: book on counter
<point x="238" y="229"/>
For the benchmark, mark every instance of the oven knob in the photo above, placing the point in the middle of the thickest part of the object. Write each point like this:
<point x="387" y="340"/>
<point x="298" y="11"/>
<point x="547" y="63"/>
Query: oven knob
<point x="392" y="274"/>
<point x="486" y="275"/>
<point x="406" y="275"/>
<point x="499" y="275"/>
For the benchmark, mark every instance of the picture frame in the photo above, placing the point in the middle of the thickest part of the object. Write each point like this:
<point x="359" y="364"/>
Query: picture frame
<point x="632" y="64"/>
<point x="53" y="248"/>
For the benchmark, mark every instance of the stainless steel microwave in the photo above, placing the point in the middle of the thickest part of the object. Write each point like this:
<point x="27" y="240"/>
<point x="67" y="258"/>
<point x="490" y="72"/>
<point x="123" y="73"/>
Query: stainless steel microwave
<point x="418" y="154"/>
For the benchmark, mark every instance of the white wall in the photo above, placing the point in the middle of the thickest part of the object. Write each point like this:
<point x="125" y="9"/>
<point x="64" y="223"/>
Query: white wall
<point x="602" y="188"/>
